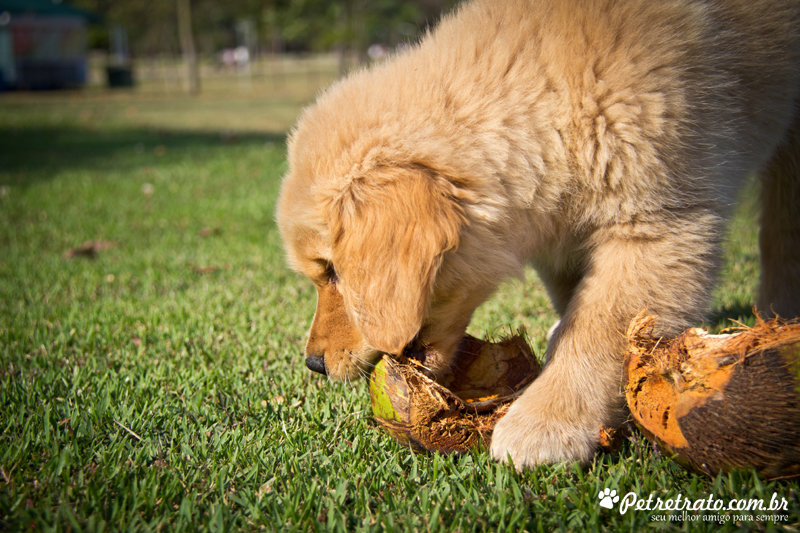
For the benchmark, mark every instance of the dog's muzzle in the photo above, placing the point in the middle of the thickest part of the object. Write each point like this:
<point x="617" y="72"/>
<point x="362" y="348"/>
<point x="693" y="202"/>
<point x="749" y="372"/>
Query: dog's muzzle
<point x="317" y="364"/>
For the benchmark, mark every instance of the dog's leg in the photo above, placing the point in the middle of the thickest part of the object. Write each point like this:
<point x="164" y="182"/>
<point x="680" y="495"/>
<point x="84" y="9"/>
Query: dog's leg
<point x="780" y="229"/>
<point x="666" y="266"/>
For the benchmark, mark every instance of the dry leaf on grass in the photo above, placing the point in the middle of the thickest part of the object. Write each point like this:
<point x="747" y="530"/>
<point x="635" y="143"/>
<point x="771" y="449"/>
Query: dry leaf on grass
<point x="208" y="232"/>
<point x="89" y="249"/>
<point x="209" y="269"/>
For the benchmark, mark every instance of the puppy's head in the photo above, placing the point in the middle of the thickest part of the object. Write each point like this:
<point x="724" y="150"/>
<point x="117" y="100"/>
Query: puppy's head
<point x="373" y="241"/>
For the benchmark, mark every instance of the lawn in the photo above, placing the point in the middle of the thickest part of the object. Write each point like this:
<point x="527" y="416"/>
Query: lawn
<point x="160" y="385"/>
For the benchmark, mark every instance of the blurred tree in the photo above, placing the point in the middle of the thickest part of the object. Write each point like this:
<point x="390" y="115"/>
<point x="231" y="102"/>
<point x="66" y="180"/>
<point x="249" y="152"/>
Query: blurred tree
<point x="326" y="24"/>
<point x="185" y="34"/>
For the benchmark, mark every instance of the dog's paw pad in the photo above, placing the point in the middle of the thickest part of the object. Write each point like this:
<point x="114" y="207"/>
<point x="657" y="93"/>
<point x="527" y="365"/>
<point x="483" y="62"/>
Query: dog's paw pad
<point x="608" y="498"/>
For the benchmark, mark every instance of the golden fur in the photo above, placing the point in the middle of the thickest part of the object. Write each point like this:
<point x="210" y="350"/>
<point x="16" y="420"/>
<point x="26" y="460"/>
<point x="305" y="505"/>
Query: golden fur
<point x="602" y="141"/>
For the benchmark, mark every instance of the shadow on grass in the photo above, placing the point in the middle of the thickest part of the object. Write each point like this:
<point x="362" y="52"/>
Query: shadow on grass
<point x="30" y="155"/>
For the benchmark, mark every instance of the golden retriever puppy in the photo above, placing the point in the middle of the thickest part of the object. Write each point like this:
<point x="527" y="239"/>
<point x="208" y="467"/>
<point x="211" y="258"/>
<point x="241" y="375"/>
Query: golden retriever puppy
<point x="601" y="141"/>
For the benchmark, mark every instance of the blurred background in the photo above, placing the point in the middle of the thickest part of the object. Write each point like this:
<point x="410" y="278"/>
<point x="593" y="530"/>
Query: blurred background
<point x="213" y="50"/>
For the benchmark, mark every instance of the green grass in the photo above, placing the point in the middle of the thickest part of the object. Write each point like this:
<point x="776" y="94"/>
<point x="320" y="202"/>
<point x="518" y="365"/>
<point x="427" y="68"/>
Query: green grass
<point x="144" y="390"/>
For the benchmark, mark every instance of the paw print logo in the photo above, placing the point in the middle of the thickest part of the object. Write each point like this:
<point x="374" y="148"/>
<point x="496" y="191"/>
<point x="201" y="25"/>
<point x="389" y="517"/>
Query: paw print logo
<point x="608" y="498"/>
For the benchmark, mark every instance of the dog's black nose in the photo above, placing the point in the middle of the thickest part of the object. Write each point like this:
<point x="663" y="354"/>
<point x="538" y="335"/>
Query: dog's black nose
<point x="317" y="364"/>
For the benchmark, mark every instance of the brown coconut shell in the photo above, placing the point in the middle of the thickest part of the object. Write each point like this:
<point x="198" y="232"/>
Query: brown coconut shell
<point x="719" y="402"/>
<point x="459" y="411"/>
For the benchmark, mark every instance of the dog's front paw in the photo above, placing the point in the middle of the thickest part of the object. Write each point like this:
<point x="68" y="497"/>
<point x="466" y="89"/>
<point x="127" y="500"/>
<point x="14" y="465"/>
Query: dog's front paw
<point x="530" y="434"/>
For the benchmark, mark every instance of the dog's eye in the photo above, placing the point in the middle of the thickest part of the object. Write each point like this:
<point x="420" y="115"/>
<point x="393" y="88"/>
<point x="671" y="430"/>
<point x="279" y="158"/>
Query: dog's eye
<point x="333" y="278"/>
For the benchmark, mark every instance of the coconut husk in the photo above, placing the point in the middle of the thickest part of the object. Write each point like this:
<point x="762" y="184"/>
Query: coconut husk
<point x="719" y="402"/>
<point x="459" y="411"/>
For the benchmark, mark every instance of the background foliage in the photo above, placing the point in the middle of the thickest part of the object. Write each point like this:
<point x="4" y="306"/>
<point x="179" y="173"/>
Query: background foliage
<point x="317" y="25"/>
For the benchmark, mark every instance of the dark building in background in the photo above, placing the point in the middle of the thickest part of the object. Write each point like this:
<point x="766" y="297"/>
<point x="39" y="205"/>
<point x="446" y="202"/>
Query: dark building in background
<point x="42" y="44"/>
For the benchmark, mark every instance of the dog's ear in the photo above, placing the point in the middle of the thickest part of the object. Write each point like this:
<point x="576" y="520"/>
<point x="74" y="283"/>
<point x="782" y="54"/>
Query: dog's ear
<point x="389" y="232"/>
